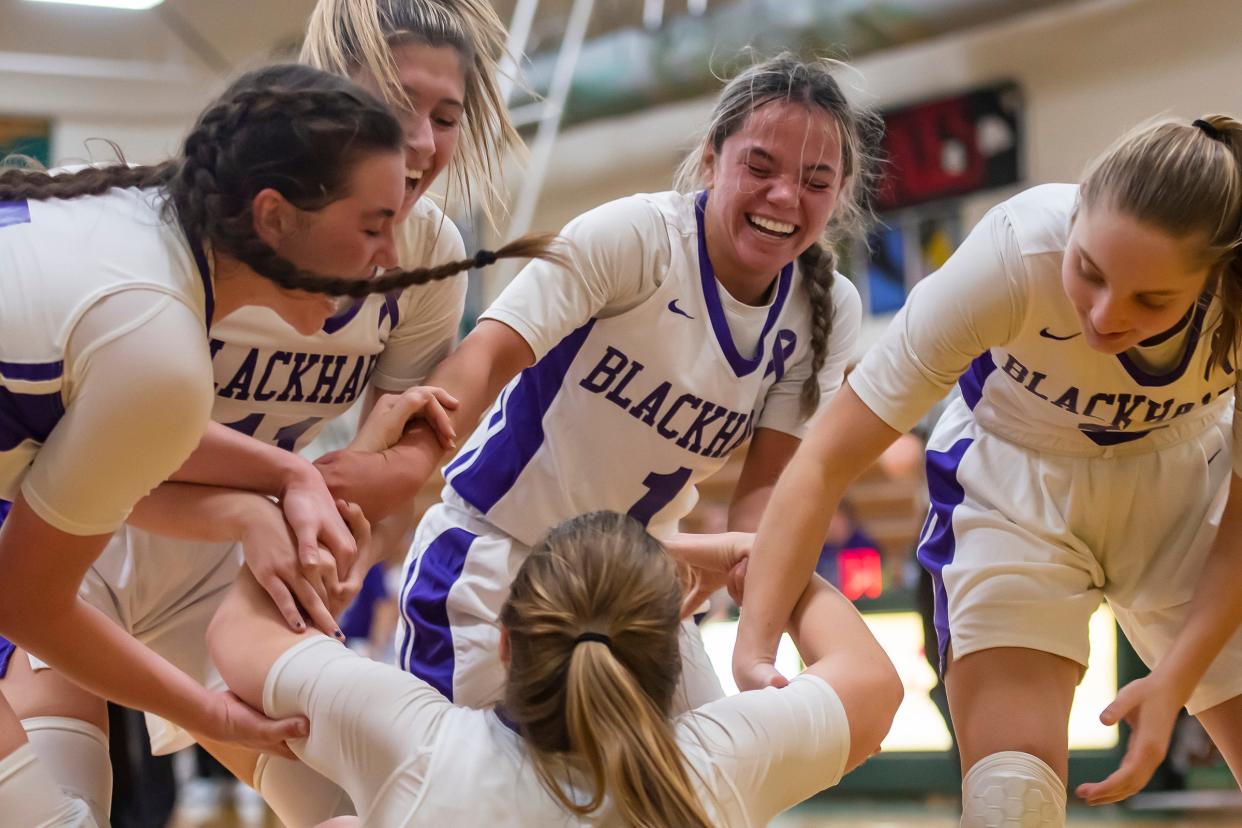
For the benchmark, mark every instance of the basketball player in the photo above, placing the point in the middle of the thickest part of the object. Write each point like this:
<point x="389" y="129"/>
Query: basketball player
<point x="1093" y="331"/>
<point x="686" y="324"/>
<point x="276" y="387"/>
<point x="583" y="735"/>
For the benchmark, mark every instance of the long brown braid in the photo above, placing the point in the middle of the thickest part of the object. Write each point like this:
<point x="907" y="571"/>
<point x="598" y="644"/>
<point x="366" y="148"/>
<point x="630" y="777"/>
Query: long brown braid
<point x="291" y="128"/>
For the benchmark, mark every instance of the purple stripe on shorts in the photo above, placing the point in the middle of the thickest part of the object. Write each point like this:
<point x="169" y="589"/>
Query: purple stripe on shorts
<point x="428" y="651"/>
<point x="6" y="647"/>
<point x="937" y="546"/>
<point x="976" y="375"/>
<point x="504" y="456"/>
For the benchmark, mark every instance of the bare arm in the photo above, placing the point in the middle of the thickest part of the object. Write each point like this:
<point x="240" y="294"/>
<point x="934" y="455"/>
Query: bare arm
<point x="88" y="648"/>
<point x="839" y="648"/>
<point x="490" y="356"/>
<point x="770" y="451"/>
<point x="846" y="439"/>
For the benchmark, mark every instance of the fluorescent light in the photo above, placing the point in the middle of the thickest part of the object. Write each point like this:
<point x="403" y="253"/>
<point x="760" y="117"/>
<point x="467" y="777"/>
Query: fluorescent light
<point x="107" y="4"/>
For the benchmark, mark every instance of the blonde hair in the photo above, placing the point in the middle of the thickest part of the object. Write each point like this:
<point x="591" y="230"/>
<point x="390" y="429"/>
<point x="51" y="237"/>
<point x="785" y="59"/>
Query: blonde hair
<point x="601" y="703"/>
<point x="346" y="36"/>
<point x="809" y="82"/>
<point x="1186" y="180"/>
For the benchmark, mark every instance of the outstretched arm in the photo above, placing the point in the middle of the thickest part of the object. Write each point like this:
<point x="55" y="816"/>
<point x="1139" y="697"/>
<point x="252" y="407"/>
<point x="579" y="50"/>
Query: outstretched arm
<point x="490" y="356"/>
<point x="846" y="439"/>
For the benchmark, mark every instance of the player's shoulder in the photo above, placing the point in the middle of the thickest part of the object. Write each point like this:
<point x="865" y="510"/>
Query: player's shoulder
<point x="645" y="213"/>
<point x="1039" y="218"/>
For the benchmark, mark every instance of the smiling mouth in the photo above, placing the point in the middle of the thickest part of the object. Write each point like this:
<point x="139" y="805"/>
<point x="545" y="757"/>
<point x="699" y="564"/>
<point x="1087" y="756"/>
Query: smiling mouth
<point x="771" y="227"/>
<point x="412" y="179"/>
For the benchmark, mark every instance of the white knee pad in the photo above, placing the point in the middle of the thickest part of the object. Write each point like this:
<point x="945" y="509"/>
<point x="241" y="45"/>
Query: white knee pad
<point x="298" y="794"/>
<point x="29" y="796"/>
<point x="75" y="753"/>
<point x="1012" y="789"/>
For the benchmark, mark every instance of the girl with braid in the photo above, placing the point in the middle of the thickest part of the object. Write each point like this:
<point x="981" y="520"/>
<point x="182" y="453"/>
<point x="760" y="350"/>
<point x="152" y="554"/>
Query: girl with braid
<point x="685" y="324"/>
<point x="277" y="385"/>
<point x="585" y="733"/>
<point x="110" y="275"/>
<point x="1094" y="332"/>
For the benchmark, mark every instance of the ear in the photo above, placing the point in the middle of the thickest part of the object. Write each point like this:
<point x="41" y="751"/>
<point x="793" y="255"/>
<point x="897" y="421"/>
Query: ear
<point x="707" y="166"/>
<point x="274" y="217"/>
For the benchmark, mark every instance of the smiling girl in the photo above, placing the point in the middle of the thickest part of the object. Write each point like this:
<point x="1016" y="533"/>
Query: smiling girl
<point x="1093" y="331"/>
<point x="686" y="323"/>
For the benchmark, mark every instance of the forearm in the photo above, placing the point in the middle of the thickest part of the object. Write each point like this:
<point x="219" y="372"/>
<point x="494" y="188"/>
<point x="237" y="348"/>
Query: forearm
<point x="1215" y="611"/>
<point x="88" y="648"/>
<point x="188" y="511"/>
<point x="474" y="374"/>
<point x="846" y="439"/>
<point x="787" y="545"/>
<point x="824" y="625"/>
<point x="225" y="457"/>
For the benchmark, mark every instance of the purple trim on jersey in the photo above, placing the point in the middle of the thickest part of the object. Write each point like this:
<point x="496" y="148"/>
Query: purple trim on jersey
<point x="504" y="455"/>
<point x="461" y="459"/>
<point x="6" y="647"/>
<point x="428" y="651"/>
<point x="1192" y="343"/>
<point x="976" y="375"/>
<point x="204" y="273"/>
<point x="390" y="309"/>
<point x="14" y="212"/>
<point x="936" y="549"/>
<point x="742" y="366"/>
<point x="343" y="316"/>
<point x="32" y="371"/>
<point x="27" y="417"/>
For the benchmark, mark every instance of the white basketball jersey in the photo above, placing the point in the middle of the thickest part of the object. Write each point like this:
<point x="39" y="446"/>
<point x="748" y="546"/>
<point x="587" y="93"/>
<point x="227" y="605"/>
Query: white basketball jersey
<point x="57" y="259"/>
<point x="281" y="387"/>
<point x="630" y="412"/>
<point x="997" y="316"/>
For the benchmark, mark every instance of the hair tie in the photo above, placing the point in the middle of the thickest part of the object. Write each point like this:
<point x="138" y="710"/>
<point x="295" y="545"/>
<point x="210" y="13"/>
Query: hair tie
<point x="594" y="636"/>
<point x="1208" y="130"/>
<point x="484" y="258"/>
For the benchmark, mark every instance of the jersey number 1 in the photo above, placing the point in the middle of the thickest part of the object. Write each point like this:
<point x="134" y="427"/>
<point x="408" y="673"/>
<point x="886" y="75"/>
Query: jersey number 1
<point x="661" y="489"/>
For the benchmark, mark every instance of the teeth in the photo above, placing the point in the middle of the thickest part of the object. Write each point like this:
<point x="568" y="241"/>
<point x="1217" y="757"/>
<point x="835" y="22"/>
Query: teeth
<point x="414" y="175"/>
<point x="772" y="225"/>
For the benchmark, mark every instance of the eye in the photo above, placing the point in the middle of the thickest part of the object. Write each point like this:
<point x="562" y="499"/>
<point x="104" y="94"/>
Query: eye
<point x="758" y="170"/>
<point x="818" y="186"/>
<point x="447" y="123"/>
<point x="375" y="234"/>
<point x="1153" y="304"/>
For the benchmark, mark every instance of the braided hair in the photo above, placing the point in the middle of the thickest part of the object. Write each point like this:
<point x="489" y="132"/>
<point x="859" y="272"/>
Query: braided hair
<point x="786" y="77"/>
<point x="290" y="128"/>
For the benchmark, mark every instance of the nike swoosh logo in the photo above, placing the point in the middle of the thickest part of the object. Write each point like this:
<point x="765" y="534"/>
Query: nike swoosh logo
<point x="673" y="307"/>
<point x="1047" y="334"/>
<point x="1214" y="456"/>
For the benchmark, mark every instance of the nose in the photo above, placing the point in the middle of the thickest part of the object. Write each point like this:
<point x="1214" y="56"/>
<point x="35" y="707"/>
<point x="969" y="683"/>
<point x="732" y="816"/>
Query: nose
<point x="1108" y="317"/>
<point x="420" y="143"/>
<point x="386" y="254"/>
<point x="782" y="192"/>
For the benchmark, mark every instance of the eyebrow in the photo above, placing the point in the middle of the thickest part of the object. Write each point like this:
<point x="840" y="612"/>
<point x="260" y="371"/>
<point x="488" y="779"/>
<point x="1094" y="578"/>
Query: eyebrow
<point x="412" y="95"/>
<point x="767" y="156"/>
<point x="384" y="212"/>
<point x="1097" y="269"/>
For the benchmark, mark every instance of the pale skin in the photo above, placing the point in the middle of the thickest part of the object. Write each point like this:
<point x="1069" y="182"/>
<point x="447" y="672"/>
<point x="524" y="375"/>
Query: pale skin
<point x="79" y="642"/>
<point x="781" y="166"/>
<point x="1128" y="282"/>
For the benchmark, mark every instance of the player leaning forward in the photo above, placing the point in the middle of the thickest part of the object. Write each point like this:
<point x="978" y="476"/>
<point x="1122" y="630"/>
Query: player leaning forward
<point x="1093" y="331"/>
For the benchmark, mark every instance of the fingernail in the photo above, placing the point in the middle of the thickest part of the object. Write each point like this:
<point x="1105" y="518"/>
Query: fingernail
<point x="340" y="636"/>
<point x="299" y="626"/>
